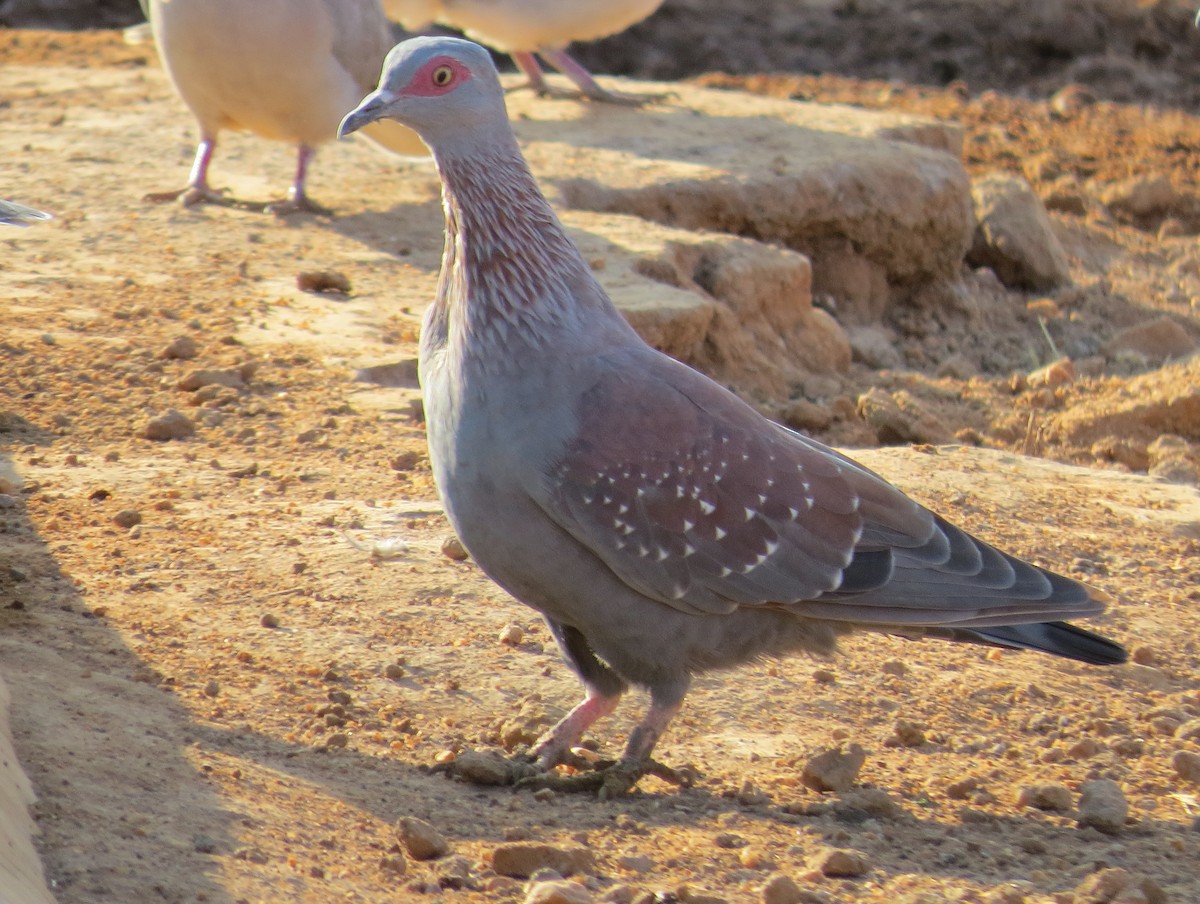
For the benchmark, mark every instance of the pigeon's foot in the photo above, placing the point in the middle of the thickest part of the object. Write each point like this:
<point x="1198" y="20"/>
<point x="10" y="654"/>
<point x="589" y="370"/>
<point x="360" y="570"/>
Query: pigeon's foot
<point x="610" y="779"/>
<point x="604" y="778"/>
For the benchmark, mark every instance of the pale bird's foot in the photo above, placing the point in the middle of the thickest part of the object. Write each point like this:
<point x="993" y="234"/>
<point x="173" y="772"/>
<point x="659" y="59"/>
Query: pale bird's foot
<point x="192" y="195"/>
<point x="595" y="93"/>
<point x="610" y="779"/>
<point x="297" y="204"/>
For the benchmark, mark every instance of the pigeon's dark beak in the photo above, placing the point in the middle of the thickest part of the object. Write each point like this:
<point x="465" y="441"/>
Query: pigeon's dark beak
<point x="373" y="107"/>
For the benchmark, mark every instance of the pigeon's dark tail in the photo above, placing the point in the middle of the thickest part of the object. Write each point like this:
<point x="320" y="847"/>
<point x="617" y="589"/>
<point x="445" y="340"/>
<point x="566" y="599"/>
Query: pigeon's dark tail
<point x="1057" y="638"/>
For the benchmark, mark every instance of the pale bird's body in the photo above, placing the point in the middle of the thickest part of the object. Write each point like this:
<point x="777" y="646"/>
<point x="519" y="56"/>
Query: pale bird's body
<point x="526" y="29"/>
<point x="662" y="526"/>
<point x="286" y="70"/>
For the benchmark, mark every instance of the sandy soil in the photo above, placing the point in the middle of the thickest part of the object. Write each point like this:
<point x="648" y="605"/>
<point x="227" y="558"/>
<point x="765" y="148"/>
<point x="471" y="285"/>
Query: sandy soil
<point x="220" y="697"/>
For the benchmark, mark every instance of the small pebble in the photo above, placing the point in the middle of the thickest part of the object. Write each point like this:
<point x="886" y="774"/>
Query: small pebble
<point x="835" y="769"/>
<point x="269" y="620"/>
<point x="212" y="688"/>
<point x="560" y="892"/>
<point x="182" y="348"/>
<point x="172" y="425"/>
<point x="839" y="862"/>
<point x="453" y="549"/>
<point x="894" y="667"/>
<point x="394" y="864"/>
<point x="781" y="889"/>
<point x="420" y="839"/>
<point x="512" y="635"/>
<point x="1053" y="796"/>
<point x="635" y="863"/>
<point x="394" y="671"/>
<point x="1187" y="765"/>
<point x="906" y="734"/>
<point x="323" y="281"/>
<point x="521" y="859"/>
<point x="824" y="676"/>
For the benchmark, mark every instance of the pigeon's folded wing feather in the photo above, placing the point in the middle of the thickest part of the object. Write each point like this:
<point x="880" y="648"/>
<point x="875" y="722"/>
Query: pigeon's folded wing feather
<point x="694" y="500"/>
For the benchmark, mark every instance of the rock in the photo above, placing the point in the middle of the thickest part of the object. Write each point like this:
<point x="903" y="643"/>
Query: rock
<point x="511" y="635"/>
<point x="127" y="518"/>
<point x="198" y="379"/>
<point x="1054" y="796"/>
<point x="797" y="174"/>
<point x="453" y="549"/>
<point x="735" y="308"/>
<point x="1147" y="676"/>
<point x="531" y="720"/>
<point x="835" y="769"/>
<point x="323" y="281"/>
<point x="557" y="892"/>
<point x="839" y="862"/>
<point x="894" y="667"/>
<point x="420" y="839"/>
<point x="1187" y="765"/>
<point x="899" y="418"/>
<point x="635" y="863"/>
<point x="1113" y="886"/>
<point x="455" y="872"/>
<point x="781" y="889"/>
<point x="1165" y="401"/>
<point x="805" y="416"/>
<point x="1084" y="748"/>
<point x="1102" y="806"/>
<point x="182" y="348"/>
<point x="1141" y="196"/>
<point x="1174" y="459"/>
<point x="172" y="425"/>
<point x="485" y="767"/>
<point x="1056" y="373"/>
<point x="1189" y="731"/>
<point x="1015" y="237"/>
<point x="906" y="734"/>
<point x="1130" y="453"/>
<point x="521" y="859"/>
<point x="1068" y="101"/>
<point x="1159" y="340"/>
<point x="875" y="346"/>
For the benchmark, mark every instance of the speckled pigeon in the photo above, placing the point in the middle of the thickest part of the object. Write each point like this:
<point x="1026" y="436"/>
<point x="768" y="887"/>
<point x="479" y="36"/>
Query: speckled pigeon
<point x="282" y="69"/>
<point x="661" y="525"/>
<point x="527" y="29"/>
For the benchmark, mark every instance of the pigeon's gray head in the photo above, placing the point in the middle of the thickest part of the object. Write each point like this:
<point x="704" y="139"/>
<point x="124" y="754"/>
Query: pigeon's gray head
<point x="445" y="89"/>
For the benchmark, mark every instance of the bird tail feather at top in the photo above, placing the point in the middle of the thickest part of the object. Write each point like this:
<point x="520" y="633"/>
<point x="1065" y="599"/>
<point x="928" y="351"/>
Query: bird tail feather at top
<point x="396" y="138"/>
<point x="1056" y="638"/>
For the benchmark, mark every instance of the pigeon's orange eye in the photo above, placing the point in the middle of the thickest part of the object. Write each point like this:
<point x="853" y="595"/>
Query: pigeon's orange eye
<point x="442" y="76"/>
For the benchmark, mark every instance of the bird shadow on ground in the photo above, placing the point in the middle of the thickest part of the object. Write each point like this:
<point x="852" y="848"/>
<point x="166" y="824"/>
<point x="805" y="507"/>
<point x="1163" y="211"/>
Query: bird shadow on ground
<point x="85" y="705"/>
<point x="970" y="845"/>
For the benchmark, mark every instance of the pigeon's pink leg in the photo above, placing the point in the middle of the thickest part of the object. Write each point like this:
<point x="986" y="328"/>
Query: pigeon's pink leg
<point x="197" y="190"/>
<point x="298" y="200"/>
<point x="643" y="738"/>
<point x="555" y="746"/>
<point x="588" y="86"/>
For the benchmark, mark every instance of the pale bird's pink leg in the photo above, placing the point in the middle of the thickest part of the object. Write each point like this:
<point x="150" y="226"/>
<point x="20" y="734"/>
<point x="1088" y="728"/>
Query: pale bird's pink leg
<point x="298" y="200"/>
<point x="197" y="190"/>
<point x="588" y="86"/>
<point x="536" y="83"/>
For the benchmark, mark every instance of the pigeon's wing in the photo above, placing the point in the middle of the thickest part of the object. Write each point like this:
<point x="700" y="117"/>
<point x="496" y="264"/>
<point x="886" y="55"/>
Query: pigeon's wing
<point x="696" y="500"/>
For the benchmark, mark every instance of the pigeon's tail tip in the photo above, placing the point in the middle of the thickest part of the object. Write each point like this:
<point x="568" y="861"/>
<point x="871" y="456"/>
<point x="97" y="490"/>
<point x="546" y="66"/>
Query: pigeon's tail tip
<point x="1056" y="638"/>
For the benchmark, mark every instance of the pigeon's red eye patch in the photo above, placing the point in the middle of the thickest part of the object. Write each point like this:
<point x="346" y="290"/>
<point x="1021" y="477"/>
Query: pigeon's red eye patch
<point x="438" y="76"/>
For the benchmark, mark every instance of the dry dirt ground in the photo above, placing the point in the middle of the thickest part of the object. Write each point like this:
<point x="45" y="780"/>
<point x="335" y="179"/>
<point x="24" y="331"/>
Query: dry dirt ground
<point x="219" y="696"/>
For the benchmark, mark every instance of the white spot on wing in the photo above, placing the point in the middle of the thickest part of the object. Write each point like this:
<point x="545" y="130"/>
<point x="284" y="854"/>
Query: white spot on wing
<point x="707" y="507"/>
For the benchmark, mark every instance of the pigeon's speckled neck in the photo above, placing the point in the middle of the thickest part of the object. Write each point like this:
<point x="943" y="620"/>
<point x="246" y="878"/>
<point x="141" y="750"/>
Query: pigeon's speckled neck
<point x="511" y="278"/>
